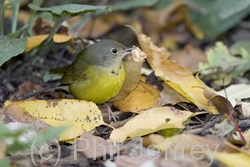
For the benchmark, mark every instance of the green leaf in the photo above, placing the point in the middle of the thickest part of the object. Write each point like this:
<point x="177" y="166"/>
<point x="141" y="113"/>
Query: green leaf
<point x="10" y="47"/>
<point x="49" y="134"/>
<point x="215" y="17"/>
<point x="17" y="132"/>
<point x="5" y="162"/>
<point x="223" y="64"/>
<point x="224" y="129"/>
<point x="4" y="132"/>
<point x="133" y="4"/>
<point x="244" y="64"/>
<point x="237" y="46"/>
<point x="231" y="7"/>
<point x="169" y="132"/>
<point x="219" y="56"/>
<point x="70" y="9"/>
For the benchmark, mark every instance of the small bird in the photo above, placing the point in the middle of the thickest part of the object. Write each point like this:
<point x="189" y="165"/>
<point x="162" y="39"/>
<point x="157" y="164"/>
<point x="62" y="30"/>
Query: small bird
<point x="98" y="73"/>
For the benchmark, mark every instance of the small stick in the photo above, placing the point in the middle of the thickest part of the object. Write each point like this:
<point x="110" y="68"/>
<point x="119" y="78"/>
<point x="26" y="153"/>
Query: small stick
<point x="234" y="121"/>
<point x="28" y="95"/>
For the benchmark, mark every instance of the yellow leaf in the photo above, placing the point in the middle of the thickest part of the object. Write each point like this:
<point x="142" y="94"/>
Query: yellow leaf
<point x="176" y="76"/>
<point x="79" y="115"/>
<point x="198" y="146"/>
<point x="133" y="70"/>
<point x="233" y="159"/>
<point x="61" y="38"/>
<point x="37" y="40"/>
<point x="142" y="97"/>
<point x="149" y="121"/>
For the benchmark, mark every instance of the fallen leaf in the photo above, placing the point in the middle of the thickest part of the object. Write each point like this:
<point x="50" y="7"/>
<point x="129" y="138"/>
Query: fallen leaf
<point x="79" y="115"/>
<point x="61" y="38"/>
<point x="224" y="129"/>
<point x="132" y="161"/>
<point x="189" y="57"/>
<point x="236" y="138"/>
<point x="23" y="16"/>
<point x="150" y="121"/>
<point x="42" y="26"/>
<point x="142" y="97"/>
<point x="25" y="88"/>
<point x="233" y="159"/>
<point x="236" y="92"/>
<point x="95" y="147"/>
<point x="172" y="15"/>
<point x="154" y="140"/>
<point x="100" y="25"/>
<point x="245" y="107"/>
<point x="133" y="71"/>
<point x="193" y="145"/>
<point x="235" y="49"/>
<point x="223" y="66"/>
<point x="221" y="103"/>
<point x="14" y="113"/>
<point x="37" y="40"/>
<point x="176" y="76"/>
<point x="169" y="96"/>
<point x="138" y="55"/>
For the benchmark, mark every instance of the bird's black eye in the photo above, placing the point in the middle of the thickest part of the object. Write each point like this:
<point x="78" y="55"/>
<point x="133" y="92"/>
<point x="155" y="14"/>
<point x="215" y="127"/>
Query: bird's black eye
<point x="114" y="50"/>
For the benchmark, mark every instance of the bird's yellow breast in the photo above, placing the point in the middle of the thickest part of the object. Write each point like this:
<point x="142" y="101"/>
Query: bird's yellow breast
<point x="101" y="84"/>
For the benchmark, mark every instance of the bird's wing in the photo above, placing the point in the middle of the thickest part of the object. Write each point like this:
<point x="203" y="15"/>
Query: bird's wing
<point x="59" y="71"/>
<point x="76" y="71"/>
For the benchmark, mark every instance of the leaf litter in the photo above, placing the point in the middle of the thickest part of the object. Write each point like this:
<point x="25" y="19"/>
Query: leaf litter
<point x="185" y="88"/>
<point x="142" y="99"/>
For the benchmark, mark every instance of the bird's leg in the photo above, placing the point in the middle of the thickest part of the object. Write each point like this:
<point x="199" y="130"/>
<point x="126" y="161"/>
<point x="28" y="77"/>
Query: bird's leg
<point x="110" y="112"/>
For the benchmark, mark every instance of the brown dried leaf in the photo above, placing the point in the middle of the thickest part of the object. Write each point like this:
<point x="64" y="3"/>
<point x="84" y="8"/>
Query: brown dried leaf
<point x="169" y="96"/>
<point x="15" y="113"/>
<point x="138" y="55"/>
<point x="100" y="25"/>
<point x="25" y="88"/>
<point x="189" y="57"/>
<point x="176" y="76"/>
<point x="42" y="26"/>
<point x="221" y="103"/>
<point x="95" y="147"/>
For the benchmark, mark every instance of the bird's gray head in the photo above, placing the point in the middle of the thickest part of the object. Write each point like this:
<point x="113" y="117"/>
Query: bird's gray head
<point x="105" y="53"/>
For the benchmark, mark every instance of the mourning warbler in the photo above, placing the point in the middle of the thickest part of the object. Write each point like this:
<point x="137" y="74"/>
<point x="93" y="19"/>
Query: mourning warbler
<point x="97" y="73"/>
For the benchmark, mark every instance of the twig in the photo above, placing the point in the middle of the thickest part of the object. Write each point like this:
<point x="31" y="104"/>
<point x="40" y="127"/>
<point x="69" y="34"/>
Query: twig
<point x="28" y="95"/>
<point x="60" y="57"/>
<point x="234" y="121"/>
<point x="210" y="124"/>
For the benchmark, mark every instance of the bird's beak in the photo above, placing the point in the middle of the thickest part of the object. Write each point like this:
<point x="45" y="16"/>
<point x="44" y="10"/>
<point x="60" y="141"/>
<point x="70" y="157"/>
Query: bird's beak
<point x="127" y="51"/>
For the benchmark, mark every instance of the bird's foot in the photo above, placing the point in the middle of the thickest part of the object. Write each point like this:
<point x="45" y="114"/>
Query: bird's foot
<point x="110" y="113"/>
